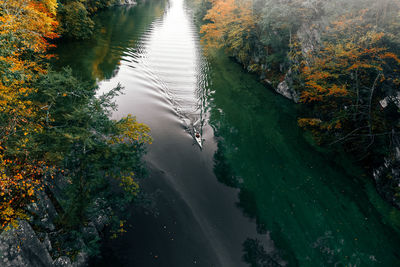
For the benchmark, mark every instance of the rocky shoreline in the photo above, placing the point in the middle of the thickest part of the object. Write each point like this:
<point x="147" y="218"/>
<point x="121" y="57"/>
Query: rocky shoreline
<point x="37" y="242"/>
<point x="387" y="175"/>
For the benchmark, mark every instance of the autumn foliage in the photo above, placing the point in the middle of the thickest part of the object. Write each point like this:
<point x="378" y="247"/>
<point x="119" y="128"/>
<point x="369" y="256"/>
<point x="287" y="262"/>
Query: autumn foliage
<point x="54" y="126"/>
<point x="231" y="25"/>
<point x="346" y="78"/>
<point x="26" y="26"/>
<point x="342" y="59"/>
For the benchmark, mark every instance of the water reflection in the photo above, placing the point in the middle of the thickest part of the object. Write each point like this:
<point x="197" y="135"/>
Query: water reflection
<point x="171" y="53"/>
<point x="314" y="211"/>
<point x="165" y="80"/>
<point x="116" y="33"/>
<point x="256" y="256"/>
<point x="289" y="195"/>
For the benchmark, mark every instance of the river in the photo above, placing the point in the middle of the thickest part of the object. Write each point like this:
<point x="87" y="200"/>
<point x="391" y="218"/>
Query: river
<point x="259" y="193"/>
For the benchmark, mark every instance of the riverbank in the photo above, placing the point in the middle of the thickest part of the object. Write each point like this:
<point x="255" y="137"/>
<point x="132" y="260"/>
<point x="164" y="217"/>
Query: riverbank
<point x="260" y="191"/>
<point x="281" y="45"/>
<point x="66" y="166"/>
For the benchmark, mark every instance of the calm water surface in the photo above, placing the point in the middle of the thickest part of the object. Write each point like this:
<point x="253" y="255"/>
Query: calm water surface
<point x="259" y="192"/>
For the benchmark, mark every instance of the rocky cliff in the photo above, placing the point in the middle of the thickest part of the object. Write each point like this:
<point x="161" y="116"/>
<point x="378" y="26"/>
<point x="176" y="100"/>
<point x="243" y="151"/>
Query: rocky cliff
<point x="40" y="241"/>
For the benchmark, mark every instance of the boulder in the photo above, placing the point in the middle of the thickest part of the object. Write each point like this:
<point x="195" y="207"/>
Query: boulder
<point x="21" y="247"/>
<point x="285" y="88"/>
<point x="44" y="212"/>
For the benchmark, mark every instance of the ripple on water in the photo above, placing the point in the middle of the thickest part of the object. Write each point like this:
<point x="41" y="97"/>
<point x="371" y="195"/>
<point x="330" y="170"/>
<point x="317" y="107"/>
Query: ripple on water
<point x="166" y="60"/>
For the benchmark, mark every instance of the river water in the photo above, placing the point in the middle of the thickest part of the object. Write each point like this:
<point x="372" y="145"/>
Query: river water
<point x="259" y="193"/>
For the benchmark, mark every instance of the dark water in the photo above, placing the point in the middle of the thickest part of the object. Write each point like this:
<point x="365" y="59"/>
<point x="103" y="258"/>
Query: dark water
<point x="259" y="192"/>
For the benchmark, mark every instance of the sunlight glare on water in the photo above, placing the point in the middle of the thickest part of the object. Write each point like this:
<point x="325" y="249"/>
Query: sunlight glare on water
<point x="167" y="64"/>
<point x="258" y="179"/>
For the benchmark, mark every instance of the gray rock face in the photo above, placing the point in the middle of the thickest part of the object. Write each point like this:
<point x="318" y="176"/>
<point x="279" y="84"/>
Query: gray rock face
<point x="102" y="218"/>
<point x="44" y="211"/>
<point x="21" y="247"/>
<point x="309" y="36"/>
<point x="310" y="40"/>
<point x="285" y="88"/>
<point x="387" y="176"/>
<point x="395" y="98"/>
<point x="47" y="243"/>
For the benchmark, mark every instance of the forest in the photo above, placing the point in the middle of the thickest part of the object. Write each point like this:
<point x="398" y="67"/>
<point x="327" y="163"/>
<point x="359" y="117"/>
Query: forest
<point x="57" y="140"/>
<point x="237" y="174"/>
<point x="338" y="59"/>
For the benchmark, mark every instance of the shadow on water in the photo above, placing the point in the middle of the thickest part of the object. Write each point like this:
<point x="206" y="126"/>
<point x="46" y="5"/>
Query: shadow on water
<point x="315" y="208"/>
<point x="256" y="185"/>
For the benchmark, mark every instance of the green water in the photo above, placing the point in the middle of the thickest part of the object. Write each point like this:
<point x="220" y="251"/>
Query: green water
<point x="316" y="206"/>
<point x="319" y="211"/>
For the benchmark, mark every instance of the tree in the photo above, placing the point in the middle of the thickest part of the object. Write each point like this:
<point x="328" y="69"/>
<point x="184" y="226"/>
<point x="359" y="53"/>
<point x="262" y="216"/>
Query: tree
<point x="75" y="17"/>
<point x="231" y="24"/>
<point x="93" y="151"/>
<point x="75" y="21"/>
<point x="25" y="28"/>
<point x="345" y="81"/>
<point x="280" y="21"/>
